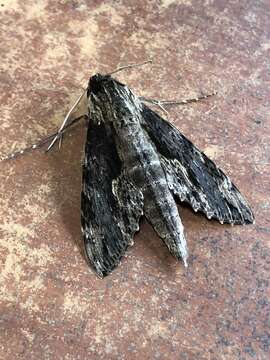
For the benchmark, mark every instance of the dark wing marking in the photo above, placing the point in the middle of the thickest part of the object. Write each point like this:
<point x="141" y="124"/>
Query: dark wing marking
<point x="110" y="205"/>
<point x="193" y="177"/>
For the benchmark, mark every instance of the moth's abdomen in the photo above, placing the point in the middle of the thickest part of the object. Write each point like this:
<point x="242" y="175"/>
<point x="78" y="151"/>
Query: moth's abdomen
<point x="161" y="211"/>
<point x="142" y="165"/>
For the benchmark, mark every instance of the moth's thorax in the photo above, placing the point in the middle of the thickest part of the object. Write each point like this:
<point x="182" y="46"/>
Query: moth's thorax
<point x="110" y="101"/>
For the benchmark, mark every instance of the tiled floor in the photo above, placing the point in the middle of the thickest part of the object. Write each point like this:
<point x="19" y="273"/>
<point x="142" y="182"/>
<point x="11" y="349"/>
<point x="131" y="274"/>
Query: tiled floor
<point x="51" y="305"/>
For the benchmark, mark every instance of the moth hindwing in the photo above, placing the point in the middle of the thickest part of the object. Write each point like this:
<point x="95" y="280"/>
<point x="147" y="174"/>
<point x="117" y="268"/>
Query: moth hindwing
<point x="135" y="163"/>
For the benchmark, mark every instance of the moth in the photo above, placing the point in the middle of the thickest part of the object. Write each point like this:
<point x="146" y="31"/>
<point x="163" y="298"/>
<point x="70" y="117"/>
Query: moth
<point x="136" y="163"/>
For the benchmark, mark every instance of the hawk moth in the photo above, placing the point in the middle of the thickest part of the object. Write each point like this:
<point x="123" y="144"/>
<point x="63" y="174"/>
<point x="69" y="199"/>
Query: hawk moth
<point x="137" y="163"/>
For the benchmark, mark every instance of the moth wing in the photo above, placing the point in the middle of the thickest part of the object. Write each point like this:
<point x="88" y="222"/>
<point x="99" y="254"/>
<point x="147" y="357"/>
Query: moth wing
<point x="110" y="205"/>
<point x="193" y="177"/>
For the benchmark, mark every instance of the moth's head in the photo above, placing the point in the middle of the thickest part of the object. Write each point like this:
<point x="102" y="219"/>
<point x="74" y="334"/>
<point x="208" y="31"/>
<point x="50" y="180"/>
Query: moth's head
<point x="109" y="100"/>
<point x="98" y="83"/>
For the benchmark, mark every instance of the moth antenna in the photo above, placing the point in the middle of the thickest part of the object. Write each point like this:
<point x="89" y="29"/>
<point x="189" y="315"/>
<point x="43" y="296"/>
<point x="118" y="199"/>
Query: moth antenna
<point x="130" y="66"/>
<point x="27" y="149"/>
<point x="64" y="123"/>
<point x="176" y="102"/>
<point x="42" y="142"/>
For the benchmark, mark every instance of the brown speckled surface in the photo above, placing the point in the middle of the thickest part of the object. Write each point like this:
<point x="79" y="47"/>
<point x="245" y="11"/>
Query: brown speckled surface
<point x="51" y="305"/>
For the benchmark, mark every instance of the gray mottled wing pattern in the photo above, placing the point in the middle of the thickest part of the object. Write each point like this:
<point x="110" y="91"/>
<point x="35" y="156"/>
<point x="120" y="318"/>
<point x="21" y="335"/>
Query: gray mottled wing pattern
<point x="193" y="177"/>
<point x="110" y="205"/>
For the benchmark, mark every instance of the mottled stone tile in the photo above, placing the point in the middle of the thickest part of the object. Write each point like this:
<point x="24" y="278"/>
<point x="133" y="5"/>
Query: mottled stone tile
<point x="51" y="305"/>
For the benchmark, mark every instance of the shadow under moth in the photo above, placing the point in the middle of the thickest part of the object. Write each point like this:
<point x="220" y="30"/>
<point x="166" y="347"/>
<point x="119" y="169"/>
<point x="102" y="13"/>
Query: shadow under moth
<point x="136" y="163"/>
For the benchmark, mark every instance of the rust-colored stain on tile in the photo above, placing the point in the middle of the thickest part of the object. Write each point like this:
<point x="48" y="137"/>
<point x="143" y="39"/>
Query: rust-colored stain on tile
<point x="51" y="305"/>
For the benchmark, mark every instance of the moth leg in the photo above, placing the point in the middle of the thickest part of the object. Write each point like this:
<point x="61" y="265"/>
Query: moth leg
<point x="158" y="103"/>
<point x="66" y="119"/>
